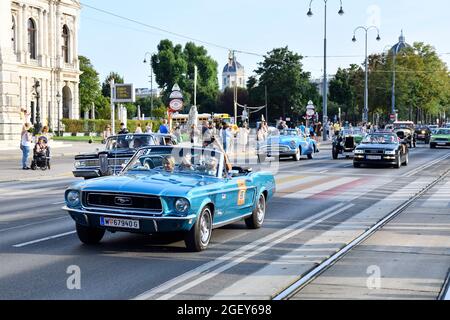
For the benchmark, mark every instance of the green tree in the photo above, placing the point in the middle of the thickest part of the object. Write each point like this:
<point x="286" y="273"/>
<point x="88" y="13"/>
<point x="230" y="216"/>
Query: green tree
<point x="89" y="84"/>
<point x="106" y="88"/>
<point x="287" y="84"/>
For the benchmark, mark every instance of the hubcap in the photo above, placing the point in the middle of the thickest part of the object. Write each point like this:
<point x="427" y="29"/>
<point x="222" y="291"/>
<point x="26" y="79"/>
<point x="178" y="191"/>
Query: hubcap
<point x="205" y="227"/>
<point x="261" y="210"/>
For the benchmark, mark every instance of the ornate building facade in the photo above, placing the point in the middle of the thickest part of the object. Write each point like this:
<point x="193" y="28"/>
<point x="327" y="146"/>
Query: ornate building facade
<point x="233" y="72"/>
<point x="38" y="43"/>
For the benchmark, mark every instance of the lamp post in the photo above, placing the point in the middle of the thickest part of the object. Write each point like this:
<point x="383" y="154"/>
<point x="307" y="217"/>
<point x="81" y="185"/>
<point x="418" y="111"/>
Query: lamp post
<point x="58" y="101"/>
<point x="37" y="93"/>
<point x="366" y="84"/>
<point x="151" y="77"/>
<point x="325" y="79"/>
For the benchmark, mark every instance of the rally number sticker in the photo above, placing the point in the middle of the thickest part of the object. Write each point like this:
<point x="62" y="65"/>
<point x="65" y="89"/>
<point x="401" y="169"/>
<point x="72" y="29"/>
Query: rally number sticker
<point x="242" y="186"/>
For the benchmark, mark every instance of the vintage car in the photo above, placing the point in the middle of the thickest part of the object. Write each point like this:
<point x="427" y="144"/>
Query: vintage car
<point x="405" y="130"/>
<point x="423" y="133"/>
<point x="288" y="143"/>
<point x="346" y="141"/>
<point x="441" y="138"/>
<point x="118" y="150"/>
<point x="382" y="148"/>
<point x="170" y="189"/>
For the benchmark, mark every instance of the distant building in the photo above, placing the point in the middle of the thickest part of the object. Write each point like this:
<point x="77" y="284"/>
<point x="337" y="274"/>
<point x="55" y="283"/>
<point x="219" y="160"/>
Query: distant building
<point x="38" y="42"/>
<point x="318" y="83"/>
<point x="233" y="72"/>
<point x="146" y="93"/>
<point x="401" y="45"/>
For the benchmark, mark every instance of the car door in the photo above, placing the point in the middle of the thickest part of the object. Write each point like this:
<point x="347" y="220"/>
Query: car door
<point x="240" y="197"/>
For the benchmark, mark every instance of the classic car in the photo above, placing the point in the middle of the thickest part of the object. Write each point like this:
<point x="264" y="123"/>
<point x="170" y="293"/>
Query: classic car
<point x="287" y="143"/>
<point x="118" y="150"/>
<point x="423" y="133"/>
<point x="346" y="141"/>
<point x="170" y="189"/>
<point x="382" y="148"/>
<point x="440" y="139"/>
<point x="405" y="130"/>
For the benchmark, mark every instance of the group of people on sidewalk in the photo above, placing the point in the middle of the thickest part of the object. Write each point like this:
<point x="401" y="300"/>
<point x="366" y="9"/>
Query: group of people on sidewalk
<point x="41" y="144"/>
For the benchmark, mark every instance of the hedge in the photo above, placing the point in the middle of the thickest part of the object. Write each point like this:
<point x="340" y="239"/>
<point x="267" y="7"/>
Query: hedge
<point x="98" y="126"/>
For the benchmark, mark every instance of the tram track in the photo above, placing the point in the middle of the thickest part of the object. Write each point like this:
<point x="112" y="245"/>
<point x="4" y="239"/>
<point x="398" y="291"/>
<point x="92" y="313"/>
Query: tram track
<point x="314" y="273"/>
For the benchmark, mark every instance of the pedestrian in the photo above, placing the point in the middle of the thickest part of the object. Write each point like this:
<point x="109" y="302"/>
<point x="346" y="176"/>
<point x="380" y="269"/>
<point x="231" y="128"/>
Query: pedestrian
<point x="312" y="132"/>
<point x="123" y="129"/>
<point x="138" y="129"/>
<point x="302" y="128"/>
<point x="243" y="137"/>
<point x="106" y="133"/>
<point x="164" y="128"/>
<point x="226" y="135"/>
<point x="25" y="145"/>
<point x="149" y="127"/>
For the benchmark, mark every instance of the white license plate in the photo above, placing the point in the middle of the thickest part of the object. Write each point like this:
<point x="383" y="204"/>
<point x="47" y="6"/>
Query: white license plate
<point x="441" y="144"/>
<point x="119" y="223"/>
<point x="373" y="157"/>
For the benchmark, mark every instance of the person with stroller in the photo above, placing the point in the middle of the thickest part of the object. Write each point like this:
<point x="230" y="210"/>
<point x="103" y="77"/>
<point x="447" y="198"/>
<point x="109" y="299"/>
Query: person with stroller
<point x="41" y="155"/>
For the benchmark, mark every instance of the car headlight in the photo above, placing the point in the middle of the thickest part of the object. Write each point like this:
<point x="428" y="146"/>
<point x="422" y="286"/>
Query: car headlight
<point x="390" y="152"/>
<point x="359" y="151"/>
<point x="80" y="164"/>
<point x="423" y="132"/>
<point x="73" y="198"/>
<point x="293" y="144"/>
<point x="182" y="205"/>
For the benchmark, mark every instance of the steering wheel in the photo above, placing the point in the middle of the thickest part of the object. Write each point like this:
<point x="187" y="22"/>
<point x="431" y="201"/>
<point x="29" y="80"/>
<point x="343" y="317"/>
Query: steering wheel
<point x="149" y="164"/>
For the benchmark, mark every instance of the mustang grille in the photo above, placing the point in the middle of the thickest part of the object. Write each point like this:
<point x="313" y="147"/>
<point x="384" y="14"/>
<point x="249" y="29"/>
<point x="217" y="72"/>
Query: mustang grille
<point x="122" y="201"/>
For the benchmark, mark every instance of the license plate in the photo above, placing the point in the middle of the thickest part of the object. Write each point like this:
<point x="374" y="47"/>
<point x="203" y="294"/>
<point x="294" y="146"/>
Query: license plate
<point x="119" y="223"/>
<point x="442" y="144"/>
<point x="421" y="136"/>
<point x="373" y="157"/>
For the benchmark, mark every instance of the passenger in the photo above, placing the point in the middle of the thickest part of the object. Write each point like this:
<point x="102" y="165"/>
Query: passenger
<point x="211" y="166"/>
<point x="186" y="164"/>
<point x="169" y="164"/>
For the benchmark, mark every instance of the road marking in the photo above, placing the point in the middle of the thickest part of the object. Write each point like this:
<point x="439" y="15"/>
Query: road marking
<point x="21" y="245"/>
<point x="324" y="171"/>
<point x="58" y="203"/>
<point x="426" y="166"/>
<point x="33" y="224"/>
<point x="241" y="254"/>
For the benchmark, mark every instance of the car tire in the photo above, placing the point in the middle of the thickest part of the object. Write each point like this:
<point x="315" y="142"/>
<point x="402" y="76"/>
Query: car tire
<point x="311" y="156"/>
<point x="88" y="235"/>
<point x="398" y="165"/>
<point x="256" y="220"/>
<point x="198" y="238"/>
<point x="406" y="163"/>
<point x="335" y="154"/>
<point x="432" y="146"/>
<point x="298" y="155"/>
<point x="356" y="165"/>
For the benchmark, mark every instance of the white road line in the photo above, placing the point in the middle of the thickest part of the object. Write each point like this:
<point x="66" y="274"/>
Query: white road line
<point x="58" y="203"/>
<point x="21" y="245"/>
<point x="239" y="255"/>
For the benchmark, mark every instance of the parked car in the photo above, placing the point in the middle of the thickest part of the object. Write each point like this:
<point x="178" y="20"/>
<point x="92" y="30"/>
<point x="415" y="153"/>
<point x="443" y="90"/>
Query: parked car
<point x="441" y="138"/>
<point x="118" y="151"/>
<point x="287" y="143"/>
<point x="423" y="133"/>
<point x="382" y="148"/>
<point x="170" y="189"/>
<point x="346" y="141"/>
<point x="405" y="130"/>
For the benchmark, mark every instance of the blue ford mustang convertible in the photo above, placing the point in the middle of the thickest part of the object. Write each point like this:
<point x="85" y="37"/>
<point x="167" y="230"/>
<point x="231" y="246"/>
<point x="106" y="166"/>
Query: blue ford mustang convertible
<point x="288" y="143"/>
<point x="170" y="189"/>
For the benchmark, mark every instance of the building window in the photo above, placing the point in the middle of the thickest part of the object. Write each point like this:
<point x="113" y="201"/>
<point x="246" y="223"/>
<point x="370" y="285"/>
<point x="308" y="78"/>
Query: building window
<point x="13" y="34"/>
<point x="66" y="42"/>
<point x="32" y="38"/>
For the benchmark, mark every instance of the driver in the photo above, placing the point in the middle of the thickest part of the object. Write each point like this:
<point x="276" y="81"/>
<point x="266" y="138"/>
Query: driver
<point x="169" y="164"/>
<point x="186" y="163"/>
<point x="211" y="166"/>
<point x="138" y="143"/>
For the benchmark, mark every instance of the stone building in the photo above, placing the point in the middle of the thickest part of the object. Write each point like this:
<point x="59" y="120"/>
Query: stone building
<point x="38" y="43"/>
<point x="233" y="72"/>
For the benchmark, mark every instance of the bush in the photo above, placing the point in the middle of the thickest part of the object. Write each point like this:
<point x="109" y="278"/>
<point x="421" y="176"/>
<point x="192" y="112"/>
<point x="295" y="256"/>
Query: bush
<point x="98" y="126"/>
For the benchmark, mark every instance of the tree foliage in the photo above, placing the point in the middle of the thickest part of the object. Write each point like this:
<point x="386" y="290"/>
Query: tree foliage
<point x="89" y="84"/>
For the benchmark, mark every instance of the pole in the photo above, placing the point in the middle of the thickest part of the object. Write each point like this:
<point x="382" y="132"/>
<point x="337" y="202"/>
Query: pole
<point x="267" y="105"/>
<point x="151" y="86"/>
<point x="325" y="80"/>
<point x="113" y="112"/>
<point x="366" y="88"/>
<point x="393" y="80"/>
<point x="195" y="85"/>
<point x="59" y="115"/>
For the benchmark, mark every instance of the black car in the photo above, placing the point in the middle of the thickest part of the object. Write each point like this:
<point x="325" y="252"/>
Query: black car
<point x="423" y="133"/>
<point x="382" y="149"/>
<point x="118" y="151"/>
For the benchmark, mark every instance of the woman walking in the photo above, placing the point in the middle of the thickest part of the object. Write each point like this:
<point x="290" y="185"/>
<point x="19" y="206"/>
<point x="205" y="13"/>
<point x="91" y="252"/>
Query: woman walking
<point x="25" y="145"/>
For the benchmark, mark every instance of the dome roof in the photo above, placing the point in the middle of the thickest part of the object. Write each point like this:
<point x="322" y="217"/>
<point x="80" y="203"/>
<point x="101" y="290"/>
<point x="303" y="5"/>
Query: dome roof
<point x="232" y="66"/>
<point x="400" y="45"/>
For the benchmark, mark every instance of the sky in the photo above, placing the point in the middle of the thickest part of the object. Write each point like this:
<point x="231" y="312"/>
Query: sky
<point x="256" y="26"/>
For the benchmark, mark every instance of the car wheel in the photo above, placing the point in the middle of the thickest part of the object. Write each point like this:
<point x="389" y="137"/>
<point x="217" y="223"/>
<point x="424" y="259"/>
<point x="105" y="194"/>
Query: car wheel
<point x="432" y="146"/>
<point x="88" y="235"/>
<point x="298" y="154"/>
<point x="398" y="165"/>
<point x="257" y="218"/>
<point x="335" y="154"/>
<point x="311" y="156"/>
<point x="406" y="160"/>
<point x="356" y="165"/>
<point x="198" y="238"/>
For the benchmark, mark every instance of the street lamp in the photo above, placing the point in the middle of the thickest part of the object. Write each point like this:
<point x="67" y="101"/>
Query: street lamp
<point x="58" y="101"/>
<point x="325" y="80"/>
<point x="366" y="85"/>
<point x="151" y="77"/>
<point x="37" y="93"/>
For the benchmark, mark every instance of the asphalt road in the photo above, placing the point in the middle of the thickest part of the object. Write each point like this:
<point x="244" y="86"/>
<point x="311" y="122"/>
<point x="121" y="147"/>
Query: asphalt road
<point x="320" y="206"/>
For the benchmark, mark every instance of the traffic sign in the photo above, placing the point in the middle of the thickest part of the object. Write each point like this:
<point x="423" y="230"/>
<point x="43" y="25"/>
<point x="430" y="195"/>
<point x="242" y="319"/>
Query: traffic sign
<point x="176" y="105"/>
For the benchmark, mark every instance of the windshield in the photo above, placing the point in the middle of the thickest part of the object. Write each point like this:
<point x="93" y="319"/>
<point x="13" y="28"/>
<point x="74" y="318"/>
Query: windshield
<point x="352" y="132"/>
<point x="380" y="139"/>
<point x="403" y="125"/>
<point x="127" y="142"/>
<point x="443" y="132"/>
<point x="204" y="162"/>
<point x="289" y="133"/>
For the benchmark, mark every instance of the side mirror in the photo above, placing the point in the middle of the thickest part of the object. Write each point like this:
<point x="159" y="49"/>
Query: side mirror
<point x="234" y="173"/>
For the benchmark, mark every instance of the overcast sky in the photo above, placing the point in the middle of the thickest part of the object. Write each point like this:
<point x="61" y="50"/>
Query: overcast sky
<point x="256" y="26"/>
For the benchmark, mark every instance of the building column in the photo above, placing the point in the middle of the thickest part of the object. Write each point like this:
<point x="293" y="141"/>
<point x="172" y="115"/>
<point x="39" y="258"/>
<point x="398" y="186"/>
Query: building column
<point x="41" y="37"/>
<point x="25" y="53"/>
<point x="19" y="32"/>
<point x="46" y="32"/>
<point x="58" y="37"/>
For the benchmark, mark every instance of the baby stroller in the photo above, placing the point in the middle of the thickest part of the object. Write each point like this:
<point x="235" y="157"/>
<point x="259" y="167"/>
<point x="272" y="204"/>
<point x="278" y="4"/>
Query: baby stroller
<point x="41" y="155"/>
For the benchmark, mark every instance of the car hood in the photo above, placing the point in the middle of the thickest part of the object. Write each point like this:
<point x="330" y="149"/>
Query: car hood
<point x="283" y="140"/>
<point x="126" y="153"/>
<point x="441" y="136"/>
<point x="377" y="146"/>
<point x="158" y="184"/>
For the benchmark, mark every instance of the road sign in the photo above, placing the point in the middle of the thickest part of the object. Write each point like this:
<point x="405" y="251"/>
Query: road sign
<point x="124" y="93"/>
<point x="176" y="105"/>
